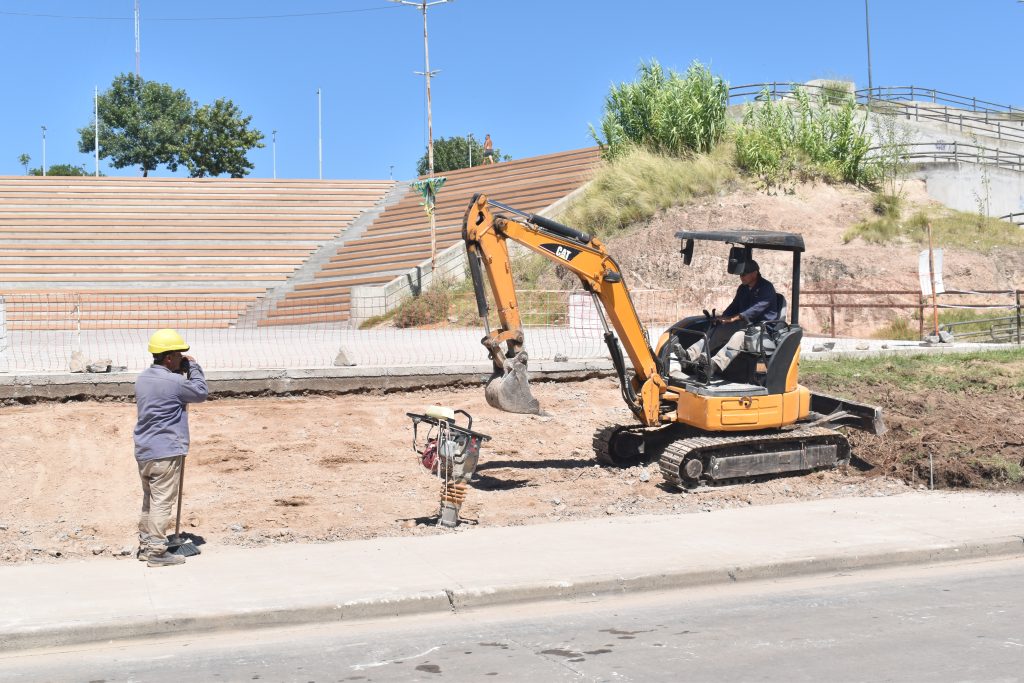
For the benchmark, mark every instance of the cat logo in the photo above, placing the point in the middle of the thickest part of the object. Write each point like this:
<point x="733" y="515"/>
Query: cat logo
<point x="562" y="252"/>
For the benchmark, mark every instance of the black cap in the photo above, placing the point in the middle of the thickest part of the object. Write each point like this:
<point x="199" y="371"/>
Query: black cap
<point x="751" y="267"/>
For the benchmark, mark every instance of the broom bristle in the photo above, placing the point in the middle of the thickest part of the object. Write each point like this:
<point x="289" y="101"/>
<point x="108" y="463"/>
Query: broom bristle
<point x="181" y="546"/>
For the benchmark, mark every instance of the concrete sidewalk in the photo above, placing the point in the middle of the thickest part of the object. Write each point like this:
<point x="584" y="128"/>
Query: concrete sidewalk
<point x="229" y="587"/>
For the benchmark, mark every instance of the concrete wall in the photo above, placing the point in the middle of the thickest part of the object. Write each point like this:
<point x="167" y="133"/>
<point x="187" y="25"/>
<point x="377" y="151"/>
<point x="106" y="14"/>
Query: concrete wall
<point x="961" y="186"/>
<point x="368" y="301"/>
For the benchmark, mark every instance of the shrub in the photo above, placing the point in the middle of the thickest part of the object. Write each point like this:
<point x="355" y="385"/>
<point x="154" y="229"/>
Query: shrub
<point x="664" y="113"/>
<point x="427" y="308"/>
<point x="809" y="136"/>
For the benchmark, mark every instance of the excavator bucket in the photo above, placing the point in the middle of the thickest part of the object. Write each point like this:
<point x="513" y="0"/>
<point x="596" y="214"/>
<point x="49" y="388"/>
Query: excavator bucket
<point x="509" y="387"/>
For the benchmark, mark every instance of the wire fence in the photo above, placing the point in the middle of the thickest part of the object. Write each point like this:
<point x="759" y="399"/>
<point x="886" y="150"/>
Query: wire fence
<point x="57" y="333"/>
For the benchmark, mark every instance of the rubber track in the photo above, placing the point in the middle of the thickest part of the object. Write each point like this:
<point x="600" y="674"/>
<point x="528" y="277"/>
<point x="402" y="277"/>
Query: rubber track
<point x="675" y="453"/>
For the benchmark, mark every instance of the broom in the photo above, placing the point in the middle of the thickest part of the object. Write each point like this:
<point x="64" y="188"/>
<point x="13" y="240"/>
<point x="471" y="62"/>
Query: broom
<point x="178" y="544"/>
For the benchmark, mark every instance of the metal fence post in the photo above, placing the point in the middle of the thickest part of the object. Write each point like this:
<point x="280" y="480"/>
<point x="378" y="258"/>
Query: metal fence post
<point x="832" y="316"/>
<point x="920" y="318"/>
<point x="1017" y="295"/>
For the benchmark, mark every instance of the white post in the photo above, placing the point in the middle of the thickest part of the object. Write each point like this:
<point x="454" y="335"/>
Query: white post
<point x="320" y="134"/>
<point x="96" y="126"/>
<point x="138" y="44"/>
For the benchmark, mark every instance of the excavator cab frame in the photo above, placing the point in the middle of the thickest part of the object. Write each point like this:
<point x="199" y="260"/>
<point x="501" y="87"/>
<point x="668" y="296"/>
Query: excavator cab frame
<point x="767" y="360"/>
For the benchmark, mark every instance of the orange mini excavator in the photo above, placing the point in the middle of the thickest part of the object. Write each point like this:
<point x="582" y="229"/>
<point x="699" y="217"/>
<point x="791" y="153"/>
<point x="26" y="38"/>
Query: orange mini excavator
<point x="755" y="421"/>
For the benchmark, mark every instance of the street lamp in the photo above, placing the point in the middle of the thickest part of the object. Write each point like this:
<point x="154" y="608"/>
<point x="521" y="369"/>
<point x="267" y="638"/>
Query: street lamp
<point x="44" y="149"/>
<point x="867" y="33"/>
<point x="273" y="149"/>
<point x="423" y="5"/>
<point x="469" y="146"/>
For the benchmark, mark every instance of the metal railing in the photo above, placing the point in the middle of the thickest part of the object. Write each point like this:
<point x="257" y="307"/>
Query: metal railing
<point x="1017" y="218"/>
<point x="919" y="94"/>
<point x="833" y="301"/>
<point x="958" y="152"/>
<point x="969" y="115"/>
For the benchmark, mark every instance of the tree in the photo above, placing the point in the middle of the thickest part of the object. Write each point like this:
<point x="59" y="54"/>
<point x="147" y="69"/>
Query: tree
<point x="60" y="169"/>
<point x="142" y="123"/>
<point x="24" y="160"/>
<point x="453" y="153"/>
<point x="149" y="124"/>
<point x="218" y="141"/>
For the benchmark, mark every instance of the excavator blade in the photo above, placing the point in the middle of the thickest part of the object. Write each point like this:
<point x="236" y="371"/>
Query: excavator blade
<point x="509" y="387"/>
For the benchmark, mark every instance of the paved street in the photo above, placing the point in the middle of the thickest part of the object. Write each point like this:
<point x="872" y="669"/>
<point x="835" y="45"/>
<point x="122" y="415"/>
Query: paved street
<point x="926" y="623"/>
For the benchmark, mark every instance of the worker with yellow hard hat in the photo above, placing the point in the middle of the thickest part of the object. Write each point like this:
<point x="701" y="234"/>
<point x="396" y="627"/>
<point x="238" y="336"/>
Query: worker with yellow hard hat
<point x="162" y="394"/>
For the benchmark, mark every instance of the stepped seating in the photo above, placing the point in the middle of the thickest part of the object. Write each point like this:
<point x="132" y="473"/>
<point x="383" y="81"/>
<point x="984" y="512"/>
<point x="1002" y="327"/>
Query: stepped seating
<point x="208" y="249"/>
<point x="399" y="239"/>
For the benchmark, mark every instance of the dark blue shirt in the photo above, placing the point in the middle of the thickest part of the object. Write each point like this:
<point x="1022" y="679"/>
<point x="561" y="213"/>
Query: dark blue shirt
<point x="754" y="304"/>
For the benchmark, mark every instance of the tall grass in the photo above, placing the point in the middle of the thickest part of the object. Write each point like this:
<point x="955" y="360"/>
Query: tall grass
<point x="664" y="112"/>
<point x="950" y="228"/>
<point x="806" y="137"/>
<point x="637" y="185"/>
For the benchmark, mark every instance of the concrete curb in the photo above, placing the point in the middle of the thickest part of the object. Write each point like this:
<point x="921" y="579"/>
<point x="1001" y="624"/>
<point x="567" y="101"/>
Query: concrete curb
<point x="467" y="598"/>
<point x="225" y="383"/>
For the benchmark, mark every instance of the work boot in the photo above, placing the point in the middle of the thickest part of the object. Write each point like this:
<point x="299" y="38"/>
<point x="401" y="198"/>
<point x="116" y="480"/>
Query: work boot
<point x="703" y="369"/>
<point x="164" y="559"/>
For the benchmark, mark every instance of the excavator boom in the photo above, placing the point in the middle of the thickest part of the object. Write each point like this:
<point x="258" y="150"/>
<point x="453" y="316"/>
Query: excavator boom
<point x="486" y="235"/>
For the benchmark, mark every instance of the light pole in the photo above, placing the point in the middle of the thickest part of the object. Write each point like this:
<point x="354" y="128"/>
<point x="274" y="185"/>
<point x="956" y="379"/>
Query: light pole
<point x="423" y="5"/>
<point x="44" y="149"/>
<point x="96" y="125"/>
<point x="273" y="150"/>
<point x="469" y="146"/>
<point x="867" y="33"/>
<point x="319" y="134"/>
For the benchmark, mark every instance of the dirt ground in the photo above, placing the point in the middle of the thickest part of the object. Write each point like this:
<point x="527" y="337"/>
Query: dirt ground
<point x="274" y="470"/>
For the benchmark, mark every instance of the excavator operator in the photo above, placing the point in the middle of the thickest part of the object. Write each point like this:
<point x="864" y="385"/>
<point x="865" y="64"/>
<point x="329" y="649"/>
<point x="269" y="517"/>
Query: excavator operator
<point x="755" y="302"/>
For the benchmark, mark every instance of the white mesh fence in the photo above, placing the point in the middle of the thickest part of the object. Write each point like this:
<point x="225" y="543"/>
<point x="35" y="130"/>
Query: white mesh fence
<point x="48" y="333"/>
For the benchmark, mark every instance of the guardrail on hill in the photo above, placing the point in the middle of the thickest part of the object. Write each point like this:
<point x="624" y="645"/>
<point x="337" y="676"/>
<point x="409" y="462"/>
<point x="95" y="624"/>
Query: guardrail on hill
<point x="1017" y="218"/>
<point x="985" y="119"/>
<point x="918" y="94"/>
<point x="962" y="152"/>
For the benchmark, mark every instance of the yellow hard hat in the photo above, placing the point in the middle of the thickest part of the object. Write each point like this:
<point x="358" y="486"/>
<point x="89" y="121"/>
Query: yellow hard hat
<point x="166" y="340"/>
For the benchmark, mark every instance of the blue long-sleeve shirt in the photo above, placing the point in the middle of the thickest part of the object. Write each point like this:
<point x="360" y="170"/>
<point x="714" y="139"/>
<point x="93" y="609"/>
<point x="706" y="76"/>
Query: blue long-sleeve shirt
<point x="754" y="304"/>
<point x="161" y="399"/>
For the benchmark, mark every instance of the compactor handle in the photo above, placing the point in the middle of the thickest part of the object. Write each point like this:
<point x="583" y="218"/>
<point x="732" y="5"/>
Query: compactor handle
<point x="469" y="418"/>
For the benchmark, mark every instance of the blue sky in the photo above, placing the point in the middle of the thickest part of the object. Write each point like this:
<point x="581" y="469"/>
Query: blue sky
<point x="532" y="73"/>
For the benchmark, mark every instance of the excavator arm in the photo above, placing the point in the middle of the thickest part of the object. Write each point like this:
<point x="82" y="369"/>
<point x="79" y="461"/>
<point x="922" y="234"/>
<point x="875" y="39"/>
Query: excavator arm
<point x="486" y="236"/>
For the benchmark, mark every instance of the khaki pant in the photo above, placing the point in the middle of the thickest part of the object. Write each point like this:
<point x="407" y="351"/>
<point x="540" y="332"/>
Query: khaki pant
<point x="160" y="479"/>
<point x="733" y="333"/>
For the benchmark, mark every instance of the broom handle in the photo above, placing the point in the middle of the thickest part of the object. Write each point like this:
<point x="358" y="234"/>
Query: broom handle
<point x="181" y="484"/>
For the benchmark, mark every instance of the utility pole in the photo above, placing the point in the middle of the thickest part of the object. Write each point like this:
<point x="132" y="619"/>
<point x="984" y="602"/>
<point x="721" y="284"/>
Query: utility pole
<point x="867" y="33"/>
<point x="423" y="5"/>
<point x="44" y="149"/>
<point x="96" y="126"/>
<point x="469" y="146"/>
<point x="273" y="149"/>
<point x="319" y="134"/>
<point x="138" y="46"/>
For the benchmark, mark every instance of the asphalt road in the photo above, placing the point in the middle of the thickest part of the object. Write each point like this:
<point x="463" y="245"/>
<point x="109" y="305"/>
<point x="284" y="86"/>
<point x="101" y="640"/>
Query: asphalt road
<point x="939" y="623"/>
